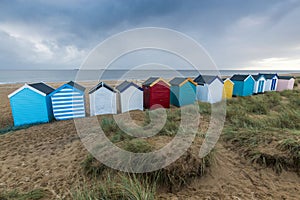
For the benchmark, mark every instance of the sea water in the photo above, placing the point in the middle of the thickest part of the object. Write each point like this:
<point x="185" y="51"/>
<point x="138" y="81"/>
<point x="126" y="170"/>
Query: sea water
<point x="22" y="76"/>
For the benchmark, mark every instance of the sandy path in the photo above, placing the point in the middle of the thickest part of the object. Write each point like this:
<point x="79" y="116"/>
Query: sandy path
<point x="46" y="156"/>
<point x="234" y="178"/>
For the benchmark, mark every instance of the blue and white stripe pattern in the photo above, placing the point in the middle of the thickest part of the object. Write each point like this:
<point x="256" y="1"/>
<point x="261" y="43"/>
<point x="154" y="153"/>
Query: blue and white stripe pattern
<point x="68" y="103"/>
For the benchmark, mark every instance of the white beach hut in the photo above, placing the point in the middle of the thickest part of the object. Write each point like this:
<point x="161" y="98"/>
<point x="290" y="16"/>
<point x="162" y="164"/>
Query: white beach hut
<point x="130" y="96"/>
<point x="260" y="84"/>
<point x="209" y="88"/>
<point x="102" y="100"/>
<point x="271" y="81"/>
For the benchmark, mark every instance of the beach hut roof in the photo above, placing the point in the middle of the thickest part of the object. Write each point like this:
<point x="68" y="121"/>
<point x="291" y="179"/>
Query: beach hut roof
<point x="179" y="81"/>
<point x="286" y="77"/>
<point x="123" y="86"/>
<point x="99" y="85"/>
<point x="256" y="77"/>
<point x="77" y="86"/>
<point x="72" y="84"/>
<point x="227" y="79"/>
<point x="268" y="76"/>
<point x="239" y="77"/>
<point x="153" y="80"/>
<point x="206" y="79"/>
<point x="40" y="88"/>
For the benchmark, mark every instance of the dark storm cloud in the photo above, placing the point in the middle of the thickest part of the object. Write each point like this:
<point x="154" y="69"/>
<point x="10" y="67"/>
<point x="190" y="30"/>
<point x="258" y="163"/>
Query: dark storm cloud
<point x="60" y="33"/>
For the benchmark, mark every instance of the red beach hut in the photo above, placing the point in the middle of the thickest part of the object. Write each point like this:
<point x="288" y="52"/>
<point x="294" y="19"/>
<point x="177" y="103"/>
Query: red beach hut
<point x="156" y="93"/>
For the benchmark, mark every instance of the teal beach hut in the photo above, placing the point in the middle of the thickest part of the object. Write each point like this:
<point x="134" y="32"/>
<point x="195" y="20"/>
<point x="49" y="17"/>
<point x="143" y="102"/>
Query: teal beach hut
<point x="243" y="85"/>
<point x="182" y="91"/>
<point x="68" y="101"/>
<point x="31" y="104"/>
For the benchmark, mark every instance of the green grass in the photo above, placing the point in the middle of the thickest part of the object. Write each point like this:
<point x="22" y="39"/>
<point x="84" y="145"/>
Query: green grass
<point x="122" y="186"/>
<point x="259" y="121"/>
<point x="16" y="128"/>
<point x="15" y="195"/>
<point x="137" y="145"/>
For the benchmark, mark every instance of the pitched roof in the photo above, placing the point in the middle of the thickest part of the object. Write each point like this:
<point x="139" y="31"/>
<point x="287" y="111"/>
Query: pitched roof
<point x="99" y="85"/>
<point x="153" y="80"/>
<point x="227" y="79"/>
<point x="239" y="77"/>
<point x="123" y="86"/>
<point x="268" y="76"/>
<point x="77" y="86"/>
<point x="206" y="79"/>
<point x="286" y="77"/>
<point x="150" y="80"/>
<point x="256" y="77"/>
<point x="178" y="81"/>
<point x="42" y="87"/>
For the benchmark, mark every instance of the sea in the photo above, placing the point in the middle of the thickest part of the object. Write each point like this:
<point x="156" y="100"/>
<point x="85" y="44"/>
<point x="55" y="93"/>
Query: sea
<point x="30" y="76"/>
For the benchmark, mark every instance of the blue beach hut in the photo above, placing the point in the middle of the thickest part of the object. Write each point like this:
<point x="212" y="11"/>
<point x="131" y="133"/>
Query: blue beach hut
<point x="243" y="85"/>
<point x="31" y="104"/>
<point x="182" y="91"/>
<point x="68" y="101"/>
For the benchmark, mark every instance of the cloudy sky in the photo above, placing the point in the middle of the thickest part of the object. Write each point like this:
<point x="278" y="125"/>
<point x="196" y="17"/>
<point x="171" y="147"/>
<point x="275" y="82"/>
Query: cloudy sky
<point x="59" y="34"/>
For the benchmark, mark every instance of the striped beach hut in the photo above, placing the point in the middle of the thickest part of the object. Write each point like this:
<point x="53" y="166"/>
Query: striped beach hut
<point x="228" y="88"/>
<point x="183" y="91"/>
<point x="103" y="100"/>
<point x="156" y="93"/>
<point x="271" y="81"/>
<point x="285" y="83"/>
<point x="243" y="84"/>
<point x="68" y="101"/>
<point x="31" y="104"/>
<point x="260" y="84"/>
<point x="130" y="97"/>
<point x="209" y="88"/>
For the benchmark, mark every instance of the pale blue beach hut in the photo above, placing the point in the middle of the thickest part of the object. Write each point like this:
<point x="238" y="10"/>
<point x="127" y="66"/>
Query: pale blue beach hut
<point x="31" y="104"/>
<point x="68" y="101"/>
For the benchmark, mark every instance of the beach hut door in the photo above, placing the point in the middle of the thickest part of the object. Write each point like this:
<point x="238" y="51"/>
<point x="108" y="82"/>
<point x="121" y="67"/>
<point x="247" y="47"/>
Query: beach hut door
<point x="273" y="84"/>
<point x="260" y="86"/>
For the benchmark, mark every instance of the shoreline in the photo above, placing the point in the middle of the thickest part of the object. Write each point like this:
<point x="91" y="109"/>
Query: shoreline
<point x="295" y="74"/>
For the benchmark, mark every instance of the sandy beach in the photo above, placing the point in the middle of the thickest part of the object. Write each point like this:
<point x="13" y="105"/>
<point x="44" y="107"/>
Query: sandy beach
<point x="49" y="156"/>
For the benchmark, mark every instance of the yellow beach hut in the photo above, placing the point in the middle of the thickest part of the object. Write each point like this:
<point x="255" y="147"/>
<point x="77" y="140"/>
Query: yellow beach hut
<point x="228" y="88"/>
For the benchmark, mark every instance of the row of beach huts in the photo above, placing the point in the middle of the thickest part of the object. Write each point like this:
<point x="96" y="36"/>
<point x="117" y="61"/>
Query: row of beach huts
<point x="40" y="103"/>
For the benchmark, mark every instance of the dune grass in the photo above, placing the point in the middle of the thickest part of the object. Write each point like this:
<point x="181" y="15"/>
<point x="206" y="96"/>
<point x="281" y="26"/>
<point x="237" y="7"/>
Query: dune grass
<point x="120" y="186"/>
<point x="264" y="128"/>
<point x="15" y="195"/>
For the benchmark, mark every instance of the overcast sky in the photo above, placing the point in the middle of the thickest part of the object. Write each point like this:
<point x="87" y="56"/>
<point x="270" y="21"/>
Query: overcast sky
<point x="238" y="34"/>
